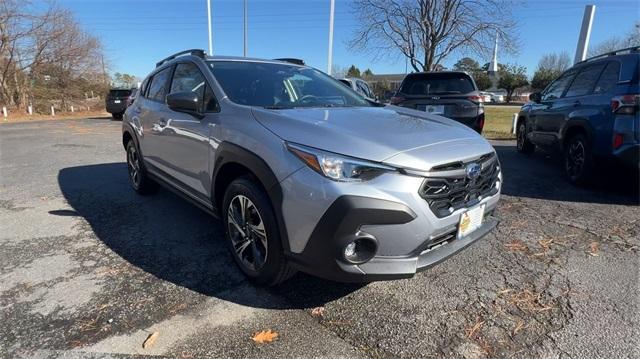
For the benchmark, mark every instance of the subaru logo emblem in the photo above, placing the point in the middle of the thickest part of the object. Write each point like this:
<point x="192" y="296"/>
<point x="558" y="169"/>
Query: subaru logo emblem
<point x="473" y="170"/>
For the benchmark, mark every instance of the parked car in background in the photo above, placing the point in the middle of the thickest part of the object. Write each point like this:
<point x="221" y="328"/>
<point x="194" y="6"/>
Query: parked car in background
<point x="486" y="96"/>
<point x="450" y="94"/>
<point x="590" y="113"/>
<point x="116" y="102"/>
<point x="360" y="86"/>
<point x="305" y="173"/>
<point x="496" y="97"/>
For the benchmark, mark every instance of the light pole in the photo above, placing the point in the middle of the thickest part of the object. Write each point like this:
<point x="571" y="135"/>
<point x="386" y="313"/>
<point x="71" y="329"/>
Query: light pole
<point x="585" y="33"/>
<point x="209" y="22"/>
<point x="245" y="28"/>
<point x="330" y="57"/>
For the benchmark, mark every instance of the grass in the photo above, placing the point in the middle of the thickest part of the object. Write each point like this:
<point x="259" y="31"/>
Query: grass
<point x="497" y="122"/>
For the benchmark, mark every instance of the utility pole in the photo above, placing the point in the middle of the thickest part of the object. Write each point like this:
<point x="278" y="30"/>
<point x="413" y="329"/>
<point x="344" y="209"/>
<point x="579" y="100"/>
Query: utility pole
<point x="585" y="33"/>
<point x="245" y="28"/>
<point x="330" y="58"/>
<point x="209" y="22"/>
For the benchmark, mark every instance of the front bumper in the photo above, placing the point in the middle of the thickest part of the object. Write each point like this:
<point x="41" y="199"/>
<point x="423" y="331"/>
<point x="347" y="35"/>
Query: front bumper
<point x="322" y="217"/>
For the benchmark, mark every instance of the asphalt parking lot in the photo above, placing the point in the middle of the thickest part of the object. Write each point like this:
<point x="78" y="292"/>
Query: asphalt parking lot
<point x="88" y="268"/>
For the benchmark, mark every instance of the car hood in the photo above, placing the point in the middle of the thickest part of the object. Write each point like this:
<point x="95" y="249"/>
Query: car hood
<point x="391" y="134"/>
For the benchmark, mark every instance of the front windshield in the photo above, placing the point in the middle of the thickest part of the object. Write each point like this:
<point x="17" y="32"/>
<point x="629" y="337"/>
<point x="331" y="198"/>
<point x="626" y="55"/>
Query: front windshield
<point x="281" y="86"/>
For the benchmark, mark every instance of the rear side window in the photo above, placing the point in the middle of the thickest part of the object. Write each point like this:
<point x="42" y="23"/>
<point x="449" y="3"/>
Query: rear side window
<point x="557" y="87"/>
<point x="585" y="81"/>
<point x="437" y="84"/>
<point x="143" y="87"/>
<point x="158" y="88"/>
<point x="608" y="79"/>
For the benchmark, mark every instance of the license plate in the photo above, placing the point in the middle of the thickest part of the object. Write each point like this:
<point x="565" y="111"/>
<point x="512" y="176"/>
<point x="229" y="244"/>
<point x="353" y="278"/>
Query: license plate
<point x="116" y="101"/>
<point x="470" y="220"/>
<point x="433" y="109"/>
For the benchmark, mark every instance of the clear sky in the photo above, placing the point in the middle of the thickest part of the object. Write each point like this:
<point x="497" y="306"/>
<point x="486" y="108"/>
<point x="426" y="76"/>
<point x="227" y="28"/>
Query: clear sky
<point x="138" y="33"/>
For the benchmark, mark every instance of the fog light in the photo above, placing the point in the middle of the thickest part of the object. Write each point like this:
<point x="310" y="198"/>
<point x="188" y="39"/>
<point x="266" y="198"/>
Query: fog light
<point x="361" y="249"/>
<point x="350" y="249"/>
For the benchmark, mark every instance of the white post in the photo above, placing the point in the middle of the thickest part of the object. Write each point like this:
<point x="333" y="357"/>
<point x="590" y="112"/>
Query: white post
<point x="53" y="111"/>
<point x="4" y="112"/>
<point x="585" y="33"/>
<point x="245" y="28"/>
<point x="209" y="22"/>
<point x="30" y="110"/>
<point x="330" y="57"/>
<point x="513" y="123"/>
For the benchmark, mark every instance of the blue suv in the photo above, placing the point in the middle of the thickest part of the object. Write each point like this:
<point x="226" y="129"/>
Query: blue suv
<point x="590" y="113"/>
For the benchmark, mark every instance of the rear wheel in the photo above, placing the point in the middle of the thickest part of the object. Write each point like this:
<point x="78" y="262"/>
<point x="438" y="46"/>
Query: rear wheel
<point x="578" y="160"/>
<point x="138" y="177"/>
<point x="523" y="144"/>
<point x="252" y="232"/>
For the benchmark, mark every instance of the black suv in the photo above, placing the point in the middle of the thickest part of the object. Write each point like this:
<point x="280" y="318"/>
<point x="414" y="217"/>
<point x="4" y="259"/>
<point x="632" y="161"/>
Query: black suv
<point x="447" y="93"/>
<point x="590" y="113"/>
<point x="117" y="101"/>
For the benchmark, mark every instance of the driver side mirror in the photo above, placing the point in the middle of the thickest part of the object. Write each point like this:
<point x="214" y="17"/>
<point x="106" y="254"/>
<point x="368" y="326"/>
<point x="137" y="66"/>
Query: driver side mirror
<point x="535" y="97"/>
<point x="187" y="102"/>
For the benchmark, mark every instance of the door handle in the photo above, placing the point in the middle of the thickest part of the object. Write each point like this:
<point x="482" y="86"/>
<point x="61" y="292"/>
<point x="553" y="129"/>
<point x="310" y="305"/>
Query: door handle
<point x="577" y="103"/>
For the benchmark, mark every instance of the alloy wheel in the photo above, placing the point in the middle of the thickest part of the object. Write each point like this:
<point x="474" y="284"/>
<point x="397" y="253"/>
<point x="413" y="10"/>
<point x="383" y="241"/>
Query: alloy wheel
<point x="521" y="136"/>
<point x="133" y="165"/>
<point x="575" y="159"/>
<point x="247" y="233"/>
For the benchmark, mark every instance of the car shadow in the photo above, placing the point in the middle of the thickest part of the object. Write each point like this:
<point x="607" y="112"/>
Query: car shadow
<point x="173" y="240"/>
<point x="541" y="176"/>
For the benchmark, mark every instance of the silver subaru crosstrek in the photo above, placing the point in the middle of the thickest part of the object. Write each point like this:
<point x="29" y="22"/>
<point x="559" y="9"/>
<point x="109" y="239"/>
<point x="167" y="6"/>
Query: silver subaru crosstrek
<point x="305" y="173"/>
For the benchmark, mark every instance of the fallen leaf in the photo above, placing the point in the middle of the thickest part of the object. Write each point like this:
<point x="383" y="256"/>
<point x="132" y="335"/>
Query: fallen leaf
<point x="317" y="312"/>
<point x="264" y="336"/>
<point x="594" y="249"/>
<point x="150" y="340"/>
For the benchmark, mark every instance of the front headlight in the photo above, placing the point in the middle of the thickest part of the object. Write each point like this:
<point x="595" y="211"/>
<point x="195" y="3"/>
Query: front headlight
<point x="337" y="167"/>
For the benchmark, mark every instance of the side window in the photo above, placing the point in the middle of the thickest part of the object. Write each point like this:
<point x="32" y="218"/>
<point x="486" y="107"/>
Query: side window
<point x="188" y="78"/>
<point x="585" y="81"/>
<point x="608" y="79"/>
<point x="362" y="88"/>
<point x="159" y="84"/>
<point x="556" y="88"/>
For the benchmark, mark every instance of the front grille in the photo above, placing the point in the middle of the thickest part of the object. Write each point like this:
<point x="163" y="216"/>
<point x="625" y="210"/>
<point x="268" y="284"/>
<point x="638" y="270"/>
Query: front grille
<point x="447" y="194"/>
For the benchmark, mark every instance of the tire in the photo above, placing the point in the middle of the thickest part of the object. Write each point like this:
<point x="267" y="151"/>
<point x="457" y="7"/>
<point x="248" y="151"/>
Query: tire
<point x="578" y="160"/>
<point x="254" y="239"/>
<point x="138" y="177"/>
<point x="523" y="144"/>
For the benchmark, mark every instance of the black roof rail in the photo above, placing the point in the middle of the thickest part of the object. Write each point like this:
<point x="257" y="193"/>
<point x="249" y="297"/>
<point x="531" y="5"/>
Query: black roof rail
<point x="629" y="50"/>
<point x="195" y="52"/>
<point x="292" y="60"/>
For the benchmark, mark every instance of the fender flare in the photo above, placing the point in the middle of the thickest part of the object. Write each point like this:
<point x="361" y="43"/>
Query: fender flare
<point x="231" y="153"/>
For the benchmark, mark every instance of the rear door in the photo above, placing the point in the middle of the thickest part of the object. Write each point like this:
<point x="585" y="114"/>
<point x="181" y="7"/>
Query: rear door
<point x="446" y="93"/>
<point x="153" y="118"/>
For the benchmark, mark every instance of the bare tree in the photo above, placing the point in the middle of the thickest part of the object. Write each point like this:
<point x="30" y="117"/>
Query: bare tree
<point x="426" y="32"/>
<point x="632" y="38"/>
<point x="36" y="43"/>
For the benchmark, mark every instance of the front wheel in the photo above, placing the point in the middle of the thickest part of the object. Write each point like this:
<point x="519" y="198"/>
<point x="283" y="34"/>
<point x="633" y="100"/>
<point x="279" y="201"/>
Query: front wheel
<point x="252" y="232"/>
<point x="523" y="144"/>
<point x="578" y="159"/>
